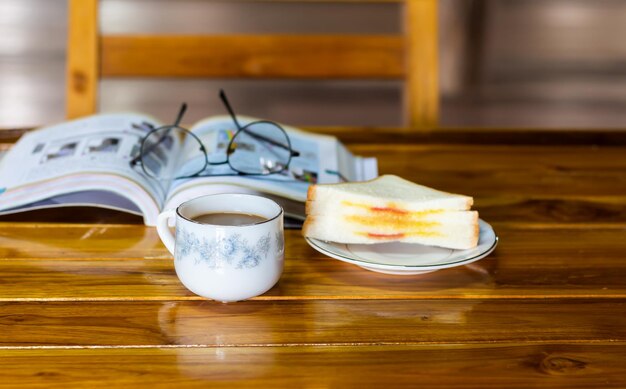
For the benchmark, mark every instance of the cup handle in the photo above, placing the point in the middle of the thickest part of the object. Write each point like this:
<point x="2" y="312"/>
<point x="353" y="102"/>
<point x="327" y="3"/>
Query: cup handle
<point x="164" y="231"/>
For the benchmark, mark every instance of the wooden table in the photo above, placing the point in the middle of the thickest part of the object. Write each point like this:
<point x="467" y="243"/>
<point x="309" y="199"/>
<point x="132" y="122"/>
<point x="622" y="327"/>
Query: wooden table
<point x="99" y="304"/>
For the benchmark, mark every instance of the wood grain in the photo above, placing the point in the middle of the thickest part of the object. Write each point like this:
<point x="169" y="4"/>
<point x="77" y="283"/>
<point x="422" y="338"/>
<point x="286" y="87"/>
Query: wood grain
<point x="529" y="263"/>
<point x="82" y="58"/>
<point x="511" y="170"/>
<point x="477" y="136"/>
<point x="561" y="184"/>
<point x="553" y="210"/>
<point x="442" y="135"/>
<point x="253" y="56"/>
<point x="548" y="210"/>
<point x="490" y="157"/>
<point x="328" y="322"/>
<point x="458" y="366"/>
<point x="99" y="305"/>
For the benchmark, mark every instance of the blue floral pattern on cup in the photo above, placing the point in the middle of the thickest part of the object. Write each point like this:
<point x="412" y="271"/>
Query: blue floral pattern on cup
<point x="232" y="250"/>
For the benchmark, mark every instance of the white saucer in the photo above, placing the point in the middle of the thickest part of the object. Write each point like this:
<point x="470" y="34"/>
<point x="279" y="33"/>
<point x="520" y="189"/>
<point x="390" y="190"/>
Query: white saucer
<point x="407" y="258"/>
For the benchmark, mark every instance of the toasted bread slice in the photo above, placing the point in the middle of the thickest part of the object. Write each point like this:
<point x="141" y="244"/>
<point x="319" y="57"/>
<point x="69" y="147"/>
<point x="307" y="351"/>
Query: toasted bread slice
<point x="388" y="209"/>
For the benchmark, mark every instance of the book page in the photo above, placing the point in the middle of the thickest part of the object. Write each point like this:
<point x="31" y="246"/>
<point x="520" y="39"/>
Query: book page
<point x="103" y="199"/>
<point x="96" y="144"/>
<point x="321" y="159"/>
<point x="317" y="154"/>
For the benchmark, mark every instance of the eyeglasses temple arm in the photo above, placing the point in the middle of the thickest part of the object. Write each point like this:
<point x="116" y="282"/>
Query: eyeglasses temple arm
<point x="229" y="108"/>
<point x="256" y="136"/>
<point x="338" y="174"/>
<point x="183" y="108"/>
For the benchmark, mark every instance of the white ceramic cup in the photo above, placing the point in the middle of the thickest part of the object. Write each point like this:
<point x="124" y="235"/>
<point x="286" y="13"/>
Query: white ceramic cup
<point x="226" y="263"/>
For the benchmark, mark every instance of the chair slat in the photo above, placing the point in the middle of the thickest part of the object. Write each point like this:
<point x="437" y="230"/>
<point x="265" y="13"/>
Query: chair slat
<point x="254" y="56"/>
<point x="82" y="58"/>
<point x="422" y="86"/>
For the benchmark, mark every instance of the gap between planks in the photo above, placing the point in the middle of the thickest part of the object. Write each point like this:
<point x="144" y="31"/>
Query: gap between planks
<point x="509" y="225"/>
<point x="319" y="298"/>
<point x="608" y="342"/>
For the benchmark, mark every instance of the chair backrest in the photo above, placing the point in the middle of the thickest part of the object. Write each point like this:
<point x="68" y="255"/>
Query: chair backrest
<point x="412" y="57"/>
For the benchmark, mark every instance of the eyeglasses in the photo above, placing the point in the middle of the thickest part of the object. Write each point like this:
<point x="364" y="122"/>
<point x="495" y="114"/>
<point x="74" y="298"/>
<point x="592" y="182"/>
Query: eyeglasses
<point x="257" y="148"/>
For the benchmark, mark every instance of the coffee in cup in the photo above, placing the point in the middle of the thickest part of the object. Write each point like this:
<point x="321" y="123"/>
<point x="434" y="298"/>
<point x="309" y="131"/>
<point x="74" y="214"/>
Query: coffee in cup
<point x="228" y="218"/>
<point x="227" y="247"/>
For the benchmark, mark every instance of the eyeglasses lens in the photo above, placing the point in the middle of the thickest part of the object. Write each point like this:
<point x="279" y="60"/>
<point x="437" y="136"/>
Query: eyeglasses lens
<point x="156" y="151"/>
<point x="260" y="148"/>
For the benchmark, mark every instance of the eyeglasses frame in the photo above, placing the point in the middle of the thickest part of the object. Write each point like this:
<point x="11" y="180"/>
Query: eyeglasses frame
<point x="229" y="150"/>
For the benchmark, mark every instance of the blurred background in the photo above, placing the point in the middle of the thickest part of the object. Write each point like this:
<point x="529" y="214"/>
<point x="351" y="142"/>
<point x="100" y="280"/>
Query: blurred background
<point x="504" y="63"/>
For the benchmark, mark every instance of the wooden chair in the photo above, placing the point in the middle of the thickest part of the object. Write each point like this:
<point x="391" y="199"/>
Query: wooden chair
<point x="411" y="57"/>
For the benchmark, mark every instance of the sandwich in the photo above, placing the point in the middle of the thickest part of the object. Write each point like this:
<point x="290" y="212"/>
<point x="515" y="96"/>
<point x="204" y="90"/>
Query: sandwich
<point x="390" y="209"/>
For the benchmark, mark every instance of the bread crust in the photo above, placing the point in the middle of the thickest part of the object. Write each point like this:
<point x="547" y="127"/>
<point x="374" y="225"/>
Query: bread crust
<point x="311" y="195"/>
<point x="476" y="232"/>
<point x="312" y="192"/>
<point x="306" y="226"/>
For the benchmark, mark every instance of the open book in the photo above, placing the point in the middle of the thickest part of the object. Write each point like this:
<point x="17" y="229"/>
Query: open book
<point x="86" y="162"/>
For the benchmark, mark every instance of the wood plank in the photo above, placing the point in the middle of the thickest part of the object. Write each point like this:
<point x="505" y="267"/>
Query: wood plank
<point x="252" y="56"/>
<point x="80" y="241"/>
<point x="548" y="210"/>
<point x="509" y="157"/>
<point x="551" y="184"/>
<point x="477" y="136"/>
<point x="512" y="170"/>
<point x="74" y="215"/>
<point x="442" y="135"/>
<point x="529" y="263"/>
<point x="458" y="366"/>
<point x="328" y="322"/>
<point x="421" y="95"/>
<point x="553" y="210"/>
<point x="82" y="58"/>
